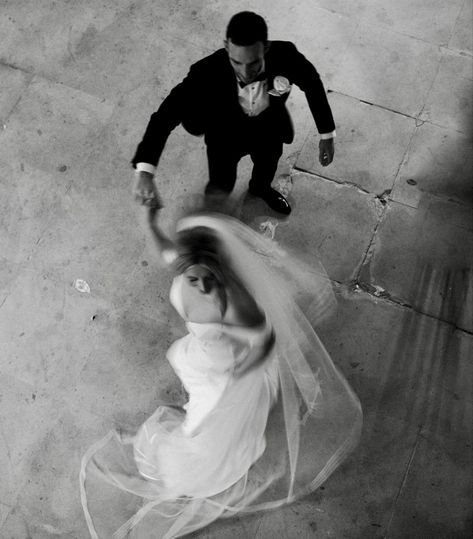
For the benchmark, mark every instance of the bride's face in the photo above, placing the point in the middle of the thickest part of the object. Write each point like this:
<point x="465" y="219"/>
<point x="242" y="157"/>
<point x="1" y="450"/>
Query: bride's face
<point x="202" y="278"/>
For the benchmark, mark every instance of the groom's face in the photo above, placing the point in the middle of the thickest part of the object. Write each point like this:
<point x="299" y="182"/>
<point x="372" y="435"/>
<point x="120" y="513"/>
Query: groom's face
<point x="247" y="61"/>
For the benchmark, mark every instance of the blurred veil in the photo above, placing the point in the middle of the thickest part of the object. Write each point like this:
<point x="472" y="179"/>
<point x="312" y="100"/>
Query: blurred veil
<point x="314" y="424"/>
<point x="321" y="414"/>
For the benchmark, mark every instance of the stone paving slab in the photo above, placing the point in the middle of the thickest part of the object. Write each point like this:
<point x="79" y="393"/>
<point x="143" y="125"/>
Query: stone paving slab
<point x="61" y="169"/>
<point x="117" y="55"/>
<point x="388" y="69"/>
<point x="367" y="152"/>
<point x="323" y="47"/>
<point x="15" y="525"/>
<point x="462" y="36"/>
<point x="112" y="41"/>
<point x="4" y="511"/>
<point x="34" y="310"/>
<point x="49" y="503"/>
<point x="344" y="7"/>
<point x="28" y="413"/>
<point x="413" y="363"/>
<point x="38" y="37"/>
<point x="422" y="257"/>
<point x="413" y="377"/>
<point x="428" y="20"/>
<point x="54" y="128"/>
<point x="439" y="162"/>
<point x="427" y="505"/>
<point x="130" y="373"/>
<point x="450" y="102"/>
<point x="12" y="84"/>
<point x="329" y="220"/>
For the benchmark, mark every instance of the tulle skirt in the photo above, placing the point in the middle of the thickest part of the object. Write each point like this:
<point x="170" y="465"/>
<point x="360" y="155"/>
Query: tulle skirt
<point x="164" y="483"/>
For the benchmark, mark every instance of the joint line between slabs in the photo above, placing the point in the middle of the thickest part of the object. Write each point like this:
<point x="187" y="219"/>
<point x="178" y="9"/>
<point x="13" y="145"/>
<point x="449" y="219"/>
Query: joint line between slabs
<point x="15" y="67"/>
<point x="338" y="182"/>
<point x="371" y="104"/>
<point x="367" y="255"/>
<point x="392" y="300"/>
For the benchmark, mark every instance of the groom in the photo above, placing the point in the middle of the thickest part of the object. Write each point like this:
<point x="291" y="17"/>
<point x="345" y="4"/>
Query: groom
<point x="236" y="98"/>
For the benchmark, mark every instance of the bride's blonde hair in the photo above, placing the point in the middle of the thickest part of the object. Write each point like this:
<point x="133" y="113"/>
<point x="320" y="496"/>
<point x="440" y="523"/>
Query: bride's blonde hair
<point x="201" y="246"/>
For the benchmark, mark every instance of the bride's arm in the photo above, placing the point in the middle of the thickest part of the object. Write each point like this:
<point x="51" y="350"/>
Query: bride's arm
<point x="165" y="247"/>
<point x="256" y="357"/>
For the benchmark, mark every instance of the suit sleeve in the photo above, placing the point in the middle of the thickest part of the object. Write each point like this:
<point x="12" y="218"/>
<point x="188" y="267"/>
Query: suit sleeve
<point x="306" y="77"/>
<point x="163" y="121"/>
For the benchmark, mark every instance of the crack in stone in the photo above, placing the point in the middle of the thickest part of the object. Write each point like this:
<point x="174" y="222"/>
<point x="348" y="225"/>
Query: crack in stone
<point x="380" y="294"/>
<point x="69" y="49"/>
<point x="4" y="300"/>
<point x="368" y="254"/>
<point x="20" y="97"/>
<point x="338" y="182"/>
<point x="419" y="121"/>
<point x="7" y="447"/>
<point x="371" y="104"/>
<point x="404" y="480"/>
<point x="383" y="197"/>
<point x="371" y="289"/>
<point x="15" y="67"/>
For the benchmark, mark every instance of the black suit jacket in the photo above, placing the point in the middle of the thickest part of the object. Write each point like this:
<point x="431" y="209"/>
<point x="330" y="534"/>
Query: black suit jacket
<point x="206" y="101"/>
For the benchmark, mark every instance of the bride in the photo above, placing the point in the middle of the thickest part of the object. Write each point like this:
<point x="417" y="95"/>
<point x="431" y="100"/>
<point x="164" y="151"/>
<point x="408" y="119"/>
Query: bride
<point x="268" y="416"/>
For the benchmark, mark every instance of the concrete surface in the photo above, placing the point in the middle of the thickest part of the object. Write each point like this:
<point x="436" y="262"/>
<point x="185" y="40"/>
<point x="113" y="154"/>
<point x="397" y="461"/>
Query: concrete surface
<point x="391" y="219"/>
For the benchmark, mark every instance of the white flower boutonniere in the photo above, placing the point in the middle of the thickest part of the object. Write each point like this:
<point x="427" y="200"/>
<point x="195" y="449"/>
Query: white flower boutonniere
<point x="281" y="86"/>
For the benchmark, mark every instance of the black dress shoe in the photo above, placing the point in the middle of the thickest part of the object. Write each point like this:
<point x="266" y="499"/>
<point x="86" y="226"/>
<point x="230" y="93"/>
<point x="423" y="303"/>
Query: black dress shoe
<point x="274" y="200"/>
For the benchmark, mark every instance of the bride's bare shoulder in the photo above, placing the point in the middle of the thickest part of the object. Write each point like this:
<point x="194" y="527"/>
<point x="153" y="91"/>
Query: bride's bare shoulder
<point x="242" y="309"/>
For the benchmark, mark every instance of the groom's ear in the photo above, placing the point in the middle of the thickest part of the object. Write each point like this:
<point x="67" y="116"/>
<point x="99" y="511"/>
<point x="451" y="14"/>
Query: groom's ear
<point x="267" y="46"/>
<point x="225" y="44"/>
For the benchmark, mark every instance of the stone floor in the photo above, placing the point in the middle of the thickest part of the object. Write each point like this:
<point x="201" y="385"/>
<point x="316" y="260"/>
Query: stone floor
<point x="391" y="219"/>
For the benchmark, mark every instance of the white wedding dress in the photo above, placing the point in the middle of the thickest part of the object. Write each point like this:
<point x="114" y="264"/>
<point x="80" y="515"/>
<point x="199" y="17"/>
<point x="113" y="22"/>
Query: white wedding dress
<point x="240" y="443"/>
<point x="210" y="445"/>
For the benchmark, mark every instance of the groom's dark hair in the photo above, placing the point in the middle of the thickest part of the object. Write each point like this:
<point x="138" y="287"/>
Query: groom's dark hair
<point x="246" y="28"/>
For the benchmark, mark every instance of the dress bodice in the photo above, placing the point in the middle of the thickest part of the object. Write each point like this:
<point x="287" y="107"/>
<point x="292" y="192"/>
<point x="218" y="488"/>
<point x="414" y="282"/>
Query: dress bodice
<point x="206" y="358"/>
<point x="216" y="331"/>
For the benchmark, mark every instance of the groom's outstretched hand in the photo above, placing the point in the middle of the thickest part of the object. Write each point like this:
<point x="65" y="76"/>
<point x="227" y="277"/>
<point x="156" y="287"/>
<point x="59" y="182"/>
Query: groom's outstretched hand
<point x="326" y="151"/>
<point x="145" y="191"/>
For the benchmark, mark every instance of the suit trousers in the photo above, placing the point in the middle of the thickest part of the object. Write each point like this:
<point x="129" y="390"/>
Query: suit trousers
<point x="256" y="136"/>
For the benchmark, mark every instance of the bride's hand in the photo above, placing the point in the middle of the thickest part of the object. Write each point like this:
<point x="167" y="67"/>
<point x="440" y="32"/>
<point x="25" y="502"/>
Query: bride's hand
<point x="152" y="213"/>
<point x="169" y="255"/>
<point x="166" y="248"/>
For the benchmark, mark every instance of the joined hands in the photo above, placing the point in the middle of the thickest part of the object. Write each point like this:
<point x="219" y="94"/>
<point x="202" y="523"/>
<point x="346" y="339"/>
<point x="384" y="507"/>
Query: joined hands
<point x="145" y="191"/>
<point x="165" y="246"/>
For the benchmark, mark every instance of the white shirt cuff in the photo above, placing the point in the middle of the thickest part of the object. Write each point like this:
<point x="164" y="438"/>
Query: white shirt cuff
<point x="145" y="167"/>
<point x="325" y="136"/>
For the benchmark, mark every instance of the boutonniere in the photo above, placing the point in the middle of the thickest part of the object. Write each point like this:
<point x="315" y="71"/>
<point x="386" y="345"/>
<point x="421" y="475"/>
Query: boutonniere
<point x="281" y="86"/>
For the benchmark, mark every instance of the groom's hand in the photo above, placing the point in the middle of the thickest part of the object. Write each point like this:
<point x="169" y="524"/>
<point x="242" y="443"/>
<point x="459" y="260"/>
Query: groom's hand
<point x="326" y="151"/>
<point x="145" y="191"/>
